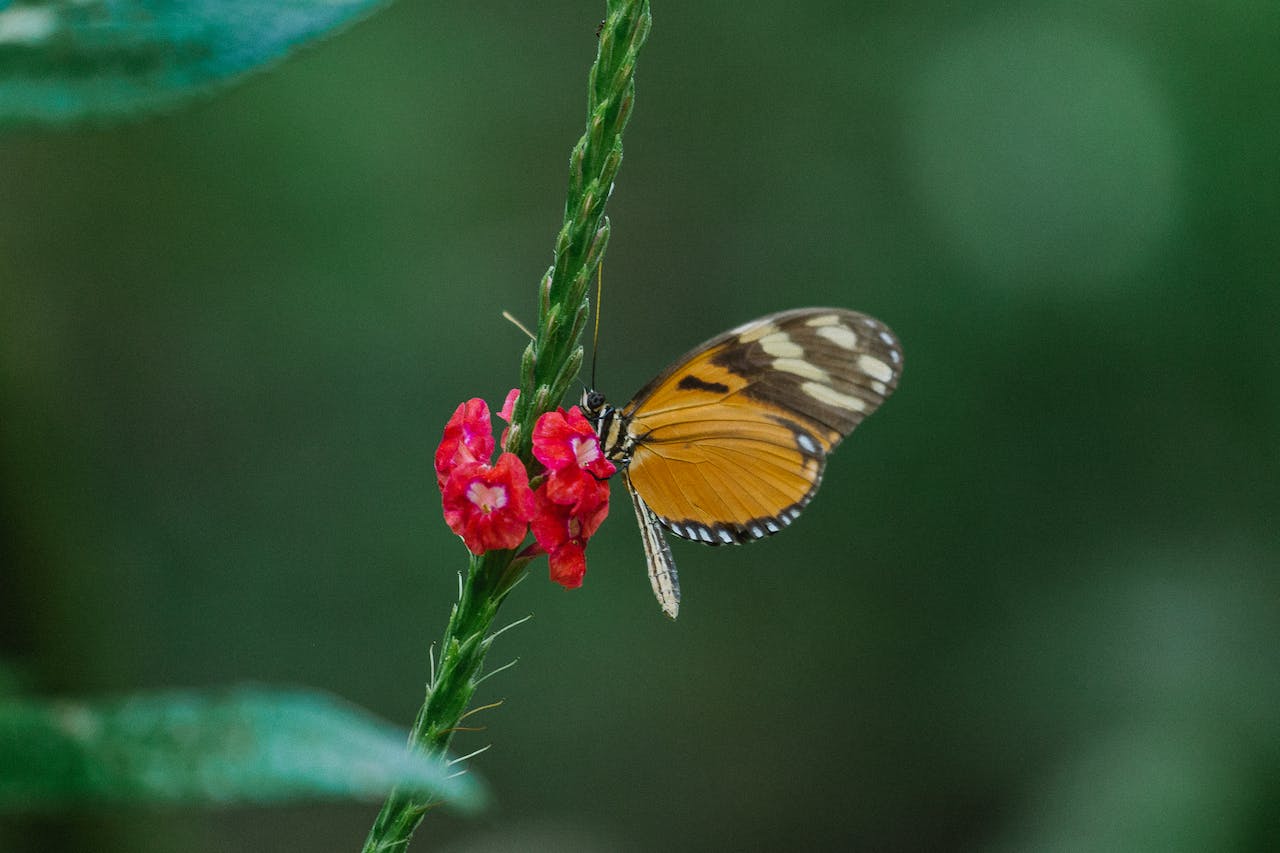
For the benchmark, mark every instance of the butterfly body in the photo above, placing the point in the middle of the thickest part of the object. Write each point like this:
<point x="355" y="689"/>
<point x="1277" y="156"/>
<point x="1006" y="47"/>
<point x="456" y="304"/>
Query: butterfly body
<point x="729" y="443"/>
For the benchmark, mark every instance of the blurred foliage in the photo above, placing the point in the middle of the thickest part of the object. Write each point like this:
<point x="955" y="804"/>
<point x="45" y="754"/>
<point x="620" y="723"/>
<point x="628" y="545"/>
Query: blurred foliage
<point x="1035" y="605"/>
<point x="63" y="61"/>
<point x="242" y="745"/>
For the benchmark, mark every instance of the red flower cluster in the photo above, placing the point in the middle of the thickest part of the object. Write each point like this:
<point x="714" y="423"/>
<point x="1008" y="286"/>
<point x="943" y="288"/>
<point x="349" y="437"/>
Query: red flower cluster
<point x="492" y="506"/>
<point x="489" y="506"/>
<point x="574" y="498"/>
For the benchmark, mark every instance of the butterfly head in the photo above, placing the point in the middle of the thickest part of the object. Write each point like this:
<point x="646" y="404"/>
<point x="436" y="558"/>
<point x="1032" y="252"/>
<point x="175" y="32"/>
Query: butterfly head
<point x="610" y="426"/>
<point x="592" y="404"/>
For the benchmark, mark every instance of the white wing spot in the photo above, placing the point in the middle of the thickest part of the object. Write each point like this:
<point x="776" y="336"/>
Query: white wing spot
<point x="780" y="345"/>
<point x="875" y="368"/>
<point x="755" y="531"/>
<point x="841" y="336"/>
<point x="704" y="534"/>
<point x="800" y="367"/>
<point x="806" y="443"/>
<point x="878" y="387"/>
<point x="895" y="356"/>
<point x="869" y="322"/>
<point x="824" y="320"/>
<point x="725" y="536"/>
<point x="830" y="396"/>
<point x="887" y="338"/>
<point x="748" y="333"/>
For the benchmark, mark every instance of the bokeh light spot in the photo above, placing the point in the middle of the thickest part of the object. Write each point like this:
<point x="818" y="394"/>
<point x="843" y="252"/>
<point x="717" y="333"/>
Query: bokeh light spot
<point x="1045" y="155"/>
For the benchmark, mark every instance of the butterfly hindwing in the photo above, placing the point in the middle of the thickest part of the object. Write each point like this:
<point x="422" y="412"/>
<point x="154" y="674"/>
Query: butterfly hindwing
<point x="731" y="440"/>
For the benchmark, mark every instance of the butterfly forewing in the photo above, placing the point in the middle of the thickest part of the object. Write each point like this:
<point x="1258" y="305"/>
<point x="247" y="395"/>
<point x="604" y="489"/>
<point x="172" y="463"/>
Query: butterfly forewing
<point x="730" y="441"/>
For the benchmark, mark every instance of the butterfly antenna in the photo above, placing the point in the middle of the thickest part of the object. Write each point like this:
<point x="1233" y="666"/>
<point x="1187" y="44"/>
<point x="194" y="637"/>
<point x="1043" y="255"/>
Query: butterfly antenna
<point x="511" y="318"/>
<point x="595" y="335"/>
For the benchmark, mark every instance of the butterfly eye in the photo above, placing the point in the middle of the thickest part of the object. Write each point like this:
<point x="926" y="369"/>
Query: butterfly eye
<point x="592" y="402"/>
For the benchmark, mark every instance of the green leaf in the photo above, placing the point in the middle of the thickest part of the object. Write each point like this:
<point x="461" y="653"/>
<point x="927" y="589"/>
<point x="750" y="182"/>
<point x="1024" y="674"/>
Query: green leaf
<point x="62" y="60"/>
<point x="235" y="746"/>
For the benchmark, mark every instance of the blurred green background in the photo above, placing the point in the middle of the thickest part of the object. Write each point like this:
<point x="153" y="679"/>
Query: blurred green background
<point x="1036" y="605"/>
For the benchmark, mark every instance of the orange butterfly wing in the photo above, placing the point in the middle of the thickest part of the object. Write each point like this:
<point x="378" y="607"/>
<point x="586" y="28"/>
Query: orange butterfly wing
<point x="731" y="440"/>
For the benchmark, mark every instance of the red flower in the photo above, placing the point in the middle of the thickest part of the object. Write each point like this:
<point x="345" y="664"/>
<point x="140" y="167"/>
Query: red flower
<point x="576" y="488"/>
<point x="563" y="533"/>
<point x="573" y="500"/>
<point x="566" y="439"/>
<point x="507" y="411"/>
<point x="489" y="507"/>
<point x="468" y="438"/>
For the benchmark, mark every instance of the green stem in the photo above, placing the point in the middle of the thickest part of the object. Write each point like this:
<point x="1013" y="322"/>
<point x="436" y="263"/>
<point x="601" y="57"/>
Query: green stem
<point x="552" y="360"/>
<point x="548" y="366"/>
<point x="462" y="653"/>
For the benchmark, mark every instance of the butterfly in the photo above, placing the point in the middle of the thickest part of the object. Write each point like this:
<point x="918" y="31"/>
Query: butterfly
<point x="728" y="444"/>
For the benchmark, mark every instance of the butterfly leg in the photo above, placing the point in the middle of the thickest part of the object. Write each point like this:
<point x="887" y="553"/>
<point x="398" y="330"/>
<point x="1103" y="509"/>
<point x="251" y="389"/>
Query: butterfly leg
<point x="657" y="553"/>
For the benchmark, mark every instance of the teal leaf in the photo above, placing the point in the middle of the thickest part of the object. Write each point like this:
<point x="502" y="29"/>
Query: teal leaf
<point x="63" y="60"/>
<point x="245" y="745"/>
